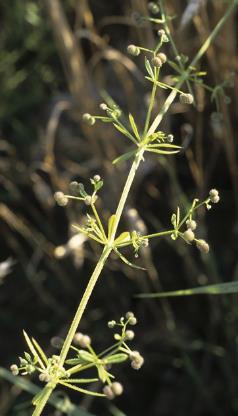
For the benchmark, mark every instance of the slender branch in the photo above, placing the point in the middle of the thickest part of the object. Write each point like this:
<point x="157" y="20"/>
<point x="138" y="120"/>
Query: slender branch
<point x="197" y="57"/>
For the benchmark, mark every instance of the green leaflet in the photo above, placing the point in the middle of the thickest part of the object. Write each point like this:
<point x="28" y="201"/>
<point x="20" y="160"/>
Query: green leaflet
<point x="40" y="351"/>
<point x="125" y="132"/>
<point x="134" y="127"/>
<point x="162" y="152"/>
<point x="111" y="222"/>
<point x="124" y="259"/>
<point x="32" y="349"/>
<point x="86" y="356"/>
<point x="116" y="358"/>
<point x="163" y="145"/>
<point x="80" y="380"/>
<point x="123" y="237"/>
<point x="72" y="387"/>
<point x="217" y="289"/>
<point x="148" y="68"/>
<point x="124" y="157"/>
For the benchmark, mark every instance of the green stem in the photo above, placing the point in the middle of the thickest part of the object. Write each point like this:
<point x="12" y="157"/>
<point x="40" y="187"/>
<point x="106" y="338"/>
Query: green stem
<point x="43" y="401"/>
<point x="152" y="100"/>
<point x="159" y="234"/>
<point x="98" y="221"/>
<point x="174" y="47"/>
<point x="83" y="303"/>
<point x="125" y="192"/>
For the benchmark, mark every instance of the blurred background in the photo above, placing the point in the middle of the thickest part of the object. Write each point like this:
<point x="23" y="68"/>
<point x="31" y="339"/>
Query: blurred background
<point x="59" y="59"/>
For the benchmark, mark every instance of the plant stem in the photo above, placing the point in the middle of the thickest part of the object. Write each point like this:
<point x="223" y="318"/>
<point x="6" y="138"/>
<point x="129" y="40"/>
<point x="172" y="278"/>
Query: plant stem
<point x="43" y="401"/>
<point x="159" y="234"/>
<point x="152" y="100"/>
<point x="126" y="190"/>
<point x="83" y="303"/>
<point x="108" y="248"/>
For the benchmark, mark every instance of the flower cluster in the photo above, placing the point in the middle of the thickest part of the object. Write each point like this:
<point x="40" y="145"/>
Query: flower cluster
<point x="189" y="235"/>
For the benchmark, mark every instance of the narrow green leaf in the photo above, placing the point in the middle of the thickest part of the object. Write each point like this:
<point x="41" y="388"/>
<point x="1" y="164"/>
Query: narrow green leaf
<point x="40" y="351"/>
<point x="157" y="83"/>
<point x="116" y="358"/>
<point x="86" y="356"/>
<point x="148" y="68"/>
<point x="111" y="222"/>
<point x="163" y="152"/>
<point x="124" y="259"/>
<point x="79" y="380"/>
<point x="74" y="361"/>
<point x="32" y="349"/>
<point x="125" y="132"/>
<point x="134" y="127"/>
<point x="102" y="373"/>
<point x="124" y="157"/>
<point x="164" y="145"/>
<point x="84" y="391"/>
<point x="123" y="237"/>
<point x="217" y="289"/>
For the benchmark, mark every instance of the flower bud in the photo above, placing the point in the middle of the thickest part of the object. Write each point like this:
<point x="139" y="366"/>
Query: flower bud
<point x="136" y="360"/>
<point x="14" y="369"/>
<point x="170" y="138"/>
<point x="153" y="7"/>
<point x="97" y="178"/>
<point x="188" y="235"/>
<point x="214" y="196"/>
<point x="90" y="120"/>
<point x="61" y="199"/>
<point x="74" y="187"/>
<point x="82" y="340"/>
<point x="162" y="57"/>
<point x="103" y="106"/>
<point x="163" y="37"/>
<point x="203" y="246"/>
<point x="111" y="324"/>
<point x="133" y="321"/>
<point x="133" y="50"/>
<point x="45" y="377"/>
<point x="129" y="335"/>
<point x="156" y="61"/>
<point x="186" y="98"/>
<point x="85" y="341"/>
<point x="191" y="224"/>
<point x="117" y="388"/>
<point x="108" y="392"/>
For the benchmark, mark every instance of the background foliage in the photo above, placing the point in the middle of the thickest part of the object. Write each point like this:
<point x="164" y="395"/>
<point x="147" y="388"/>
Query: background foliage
<point x="56" y="60"/>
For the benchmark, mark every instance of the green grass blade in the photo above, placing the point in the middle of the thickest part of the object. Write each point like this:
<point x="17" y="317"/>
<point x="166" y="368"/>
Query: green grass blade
<point x="217" y="289"/>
